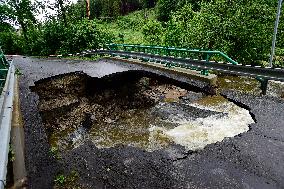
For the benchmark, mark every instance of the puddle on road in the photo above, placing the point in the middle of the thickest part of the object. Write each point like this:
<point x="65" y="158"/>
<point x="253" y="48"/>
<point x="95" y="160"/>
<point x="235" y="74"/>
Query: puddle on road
<point x="239" y="83"/>
<point x="133" y="110"/>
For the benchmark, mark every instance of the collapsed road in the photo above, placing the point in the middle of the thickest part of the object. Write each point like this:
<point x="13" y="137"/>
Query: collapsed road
<point x="60" y="102"/>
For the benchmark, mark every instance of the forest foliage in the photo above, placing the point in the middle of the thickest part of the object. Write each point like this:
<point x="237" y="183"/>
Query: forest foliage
<point x="242" y="29"/>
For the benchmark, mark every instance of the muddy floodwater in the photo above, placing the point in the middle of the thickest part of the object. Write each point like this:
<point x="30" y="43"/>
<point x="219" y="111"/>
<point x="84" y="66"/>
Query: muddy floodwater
<point x="145" y="112"/>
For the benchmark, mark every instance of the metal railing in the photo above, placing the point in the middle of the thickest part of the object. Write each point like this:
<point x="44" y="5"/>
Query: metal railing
<point x="198" y="54"/>
<point x="7" y="78"/>
<point x="4" y="65"/>
<point x="188" y="63"/>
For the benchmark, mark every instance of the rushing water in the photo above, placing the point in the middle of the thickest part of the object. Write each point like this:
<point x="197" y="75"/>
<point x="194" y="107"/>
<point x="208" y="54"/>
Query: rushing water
<point x="147" y="130"/>
<point x="196" y="134"/>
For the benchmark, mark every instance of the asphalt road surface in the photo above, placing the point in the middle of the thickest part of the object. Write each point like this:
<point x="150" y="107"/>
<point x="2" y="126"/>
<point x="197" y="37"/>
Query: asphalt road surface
<point x="254" y="159"/>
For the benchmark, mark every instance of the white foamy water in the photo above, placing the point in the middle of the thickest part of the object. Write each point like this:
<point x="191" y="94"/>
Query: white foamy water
<point x="198" y="133"/>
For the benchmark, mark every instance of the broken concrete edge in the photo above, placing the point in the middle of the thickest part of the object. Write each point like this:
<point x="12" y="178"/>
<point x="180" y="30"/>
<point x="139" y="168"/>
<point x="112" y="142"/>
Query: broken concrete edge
<point x="17" y="137"/>
<point x="211" y="79"/>
<point x="6" y="108"/>
<point x="275" y="89"/>
<point x="135" y="74"/>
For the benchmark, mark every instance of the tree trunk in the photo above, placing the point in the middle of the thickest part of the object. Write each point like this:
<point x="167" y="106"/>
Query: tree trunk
<point x="88" y="9"/>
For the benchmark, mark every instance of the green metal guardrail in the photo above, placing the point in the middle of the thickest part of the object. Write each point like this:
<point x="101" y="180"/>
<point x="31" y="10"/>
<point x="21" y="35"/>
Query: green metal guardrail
<point x="6" y="107"/>
<point x="173" y="51"/>
<point x="4" y="65"/>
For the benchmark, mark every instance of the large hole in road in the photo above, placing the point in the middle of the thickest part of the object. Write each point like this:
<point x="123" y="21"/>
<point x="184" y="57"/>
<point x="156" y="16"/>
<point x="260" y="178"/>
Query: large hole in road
<point x="134" y="108"/>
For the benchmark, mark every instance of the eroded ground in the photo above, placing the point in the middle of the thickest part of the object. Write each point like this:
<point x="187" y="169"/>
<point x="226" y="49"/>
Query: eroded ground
<point x="145" y="112"/>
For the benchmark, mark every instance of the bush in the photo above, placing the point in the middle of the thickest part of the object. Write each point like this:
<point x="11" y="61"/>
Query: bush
<point x="132" y="22"/>
<point x="136" y="20"/>
<point x="165" y="8"/>
<point x="242" y="29"/>
<point x="84" y="35"/>
<point x="34" y="44"/>
<point x="176" y="29"/>
<point x="54" y="34"/>
<point x="55" y="38"/>
<point x="152" y="32"/>
<point x="11" y="43"/>
<point x="279" y="57"/>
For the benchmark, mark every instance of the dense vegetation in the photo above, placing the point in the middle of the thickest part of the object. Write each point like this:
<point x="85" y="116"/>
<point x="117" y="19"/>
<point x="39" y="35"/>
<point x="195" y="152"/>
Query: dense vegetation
<point x="242" y="29"/>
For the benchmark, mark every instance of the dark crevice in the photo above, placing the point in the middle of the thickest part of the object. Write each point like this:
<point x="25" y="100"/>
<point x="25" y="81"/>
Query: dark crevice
<point x="117" y="79"/>
<point x="185" y="155"/>
<point x="268" y="137"/>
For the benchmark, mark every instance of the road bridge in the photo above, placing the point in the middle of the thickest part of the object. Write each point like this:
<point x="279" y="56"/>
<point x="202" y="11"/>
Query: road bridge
<point x="235" y="162"/>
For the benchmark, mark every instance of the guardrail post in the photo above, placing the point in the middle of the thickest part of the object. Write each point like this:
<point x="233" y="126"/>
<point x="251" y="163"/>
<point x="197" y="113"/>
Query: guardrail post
<point x="168" y="52"/>
<point x="206" y="72"/>
<point x="263" y="84"/>
<point x="3" y="69"/>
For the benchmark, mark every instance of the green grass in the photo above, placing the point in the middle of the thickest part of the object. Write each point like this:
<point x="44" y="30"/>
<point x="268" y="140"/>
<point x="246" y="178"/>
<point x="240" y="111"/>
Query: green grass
<point x="128" y="29"/>
<point x="62" y="181"/>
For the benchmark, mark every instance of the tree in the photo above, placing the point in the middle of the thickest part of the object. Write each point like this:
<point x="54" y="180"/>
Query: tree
<point x="76" y="12"/>
<point x="242" y="29"/>
<point x="16" y="13"/>
<point x="6" y="18"/>
<point x="129" y="6"/>
<point x="61" y="7"/>
<point x="96" y="8"/>
<point x="22" y="12"/>
<point x="165" y="8"/>
<point x="176" y="31"/>
<point x="149" y="3"/>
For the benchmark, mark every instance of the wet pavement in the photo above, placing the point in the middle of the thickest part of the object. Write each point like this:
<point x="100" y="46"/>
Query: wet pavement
<point x="252" y="159"/>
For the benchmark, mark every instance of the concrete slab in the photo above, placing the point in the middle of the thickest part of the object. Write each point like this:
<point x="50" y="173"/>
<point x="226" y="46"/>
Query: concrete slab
<point x="17" y="138"/>
<point x="275" y="88"/>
